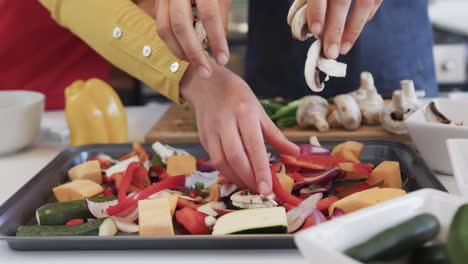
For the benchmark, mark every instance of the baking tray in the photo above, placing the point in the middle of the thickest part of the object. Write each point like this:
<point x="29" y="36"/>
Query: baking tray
<point x="20" y="208"/>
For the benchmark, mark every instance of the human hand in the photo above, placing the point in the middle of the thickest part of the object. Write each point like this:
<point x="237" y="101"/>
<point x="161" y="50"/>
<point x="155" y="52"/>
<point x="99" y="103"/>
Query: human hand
<point x="328" y="18"/>
<point x="175" y="25"/>
<point x="233" y="127"/>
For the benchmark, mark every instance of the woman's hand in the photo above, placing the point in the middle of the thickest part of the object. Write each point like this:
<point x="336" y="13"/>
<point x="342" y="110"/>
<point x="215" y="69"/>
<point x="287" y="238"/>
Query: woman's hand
<point x="329" y="18"/>
<point x="174" y="19"/>
<point x="233" y="127"/>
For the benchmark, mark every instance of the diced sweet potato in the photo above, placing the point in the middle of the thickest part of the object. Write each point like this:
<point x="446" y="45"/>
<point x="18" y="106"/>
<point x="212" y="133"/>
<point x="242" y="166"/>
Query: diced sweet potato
<point x="90" y="170"/>
<point x="365" y="199"/>
<point x="173" y="198"/>
<point x="389" y="173"/>
<point x="154" y="217"/>
<point x="286" y="182"/>
<point x="349" y="150"/>
<point x="181" y="165"/>
<point x="76" y="190"/>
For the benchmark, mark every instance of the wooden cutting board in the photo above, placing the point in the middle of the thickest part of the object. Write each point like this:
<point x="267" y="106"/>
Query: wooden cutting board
<point x="178" y="125"/>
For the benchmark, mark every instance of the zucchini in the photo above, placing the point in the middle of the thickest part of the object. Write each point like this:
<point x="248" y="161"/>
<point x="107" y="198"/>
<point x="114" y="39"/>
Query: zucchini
<point x="99" y="227"/>
<point x="61" y="212"/>
<point x="434" y="254"/>
<point x="253" y="221"/>
<point x="398" y="240"/>
<point x="269" y="106"/>
<point x="285" y="122"/>
<point x="457" y="246"/>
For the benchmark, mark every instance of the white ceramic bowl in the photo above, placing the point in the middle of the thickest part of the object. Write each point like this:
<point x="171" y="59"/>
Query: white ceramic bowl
<point x="20" y="119"/>
<point x="458" y="152"/>
<point x="325" y="243"/>
<point x="430" y="138"/>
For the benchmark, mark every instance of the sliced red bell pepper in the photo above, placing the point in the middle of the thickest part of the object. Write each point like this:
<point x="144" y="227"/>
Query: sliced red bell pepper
<point x="280" y="193"/>
<point x="127" y="180"/>
<point x="159" y="169"/>
<point x="314" y="162"/>
<point x="356" y="168"/>
<point x="325" y="203"/>
<point x="163" y="176"/>
<point x="339" y="189"/>
<point x="193" y="193"/>
<point x="287" y="206"/>
<point x="296" y="176"/>
<point x="141" y="178"/>
<point x="109" y="191"/>
<point x="309" y="221"/>
<point x="193" y="221"/>
<point x="182" y="203"/>
<point x="130" y="203"/>
<point x="353" y="189"/>
<point x="75" y="222"/>
<point x="202" y="160"/>
<point x="223" y="180"/>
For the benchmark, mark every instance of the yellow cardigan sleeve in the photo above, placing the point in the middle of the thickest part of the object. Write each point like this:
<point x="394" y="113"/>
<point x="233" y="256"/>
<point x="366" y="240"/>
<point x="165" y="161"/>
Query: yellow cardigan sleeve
<point x="126" y="36"/>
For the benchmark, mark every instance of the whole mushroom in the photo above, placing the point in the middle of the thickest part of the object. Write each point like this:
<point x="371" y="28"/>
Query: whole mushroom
<point x="312" y="112"/>
<point x="369" y="100"/>
<point x="404" y="103"/>
<point x="367" y="84"/>
<point x="347" y="113"/>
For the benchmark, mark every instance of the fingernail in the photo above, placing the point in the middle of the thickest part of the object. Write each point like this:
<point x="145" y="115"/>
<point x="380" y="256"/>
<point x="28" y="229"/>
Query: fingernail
<point x="345" y="47"/>
<point x="222" y="59"/>
<point x="204" y="73"/>
<point x="315" y="28"/>
<point x="264" y="188"/>
<point x="333" y="52"/>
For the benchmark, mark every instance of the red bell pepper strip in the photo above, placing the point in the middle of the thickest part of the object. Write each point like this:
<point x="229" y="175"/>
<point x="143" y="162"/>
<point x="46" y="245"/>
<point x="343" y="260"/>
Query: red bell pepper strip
<point x="127" y="180"/>
<point x="280" y="193"/>
<point x="193" y="193"/>
<point x="287" y="206"/>
<point x="109" y="191"/>
<point x="75" y="222"/>
<point x="163" y="176"/>
<point x="314" y="162"/>
<point x="182" y="203"/>
<point x="223" y="180"/>
<point x="141" y="178"/>
<point x="353" y="189"/>
<point x="296" y="176"/>
<point x="159" y="169"/>
<point x="307" y="223"/>
<point x="202" y="160"/>
<point x="130" y="203"/>
<point x="356" y="168"/>
<point x="193" y="221"/>
<point x="325" y="203"/>
<point x="339" y="189"/>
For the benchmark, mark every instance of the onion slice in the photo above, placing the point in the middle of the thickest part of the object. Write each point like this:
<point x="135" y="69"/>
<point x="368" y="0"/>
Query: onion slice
<point x="319" y="188"/>
<point x="124" y="226"/>
<point x="321" y="178"/>
<point x="207" y="178"/>
<point x="317" y="216"/>
<point x="98" y="210"/>
<point x="209" y="208"/>
<point x="222" y="212"/>
<point x="206" y="166"/>
<point x="313" y="150"/>
<point x="337" y="212"/>
<point x="297" y="215"/>
<point x="227" y="189"/>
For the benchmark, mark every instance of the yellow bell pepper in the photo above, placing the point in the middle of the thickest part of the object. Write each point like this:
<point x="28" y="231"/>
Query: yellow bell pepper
<point x="94" y="113"/>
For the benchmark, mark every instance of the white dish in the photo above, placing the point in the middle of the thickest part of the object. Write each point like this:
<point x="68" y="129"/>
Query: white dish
<point x="325" y="243"/>
<point x="458" y="152"/>
<point x="430" y="138"/>
<point x="20" y="119"/>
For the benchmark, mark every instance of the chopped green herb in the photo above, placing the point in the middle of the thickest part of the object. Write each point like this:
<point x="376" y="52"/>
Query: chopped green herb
<point x="112" y="163"/>
<point x="199" y="186"/>
<point x="157" y="160"/>
<point x="312" y="188"/>
<point x="186" y="193"/>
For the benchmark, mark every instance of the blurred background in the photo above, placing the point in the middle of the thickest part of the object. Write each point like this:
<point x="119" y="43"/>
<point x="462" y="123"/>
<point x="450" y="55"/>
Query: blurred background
<point x="450" y="25"/>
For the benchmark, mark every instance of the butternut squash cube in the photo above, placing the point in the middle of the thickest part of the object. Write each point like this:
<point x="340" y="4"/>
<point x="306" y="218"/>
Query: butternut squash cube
<point x="76" y="190"/>
<point x="365" y="199"/>
<point x="286" y="182"/>
<point x="154" y="217"/>
<point x="90" y="170"/>
<point x="172" y="202"/>
<point x="389" y="173"/>
<point x="349" y="150"/>
<point x="181" y="165"/>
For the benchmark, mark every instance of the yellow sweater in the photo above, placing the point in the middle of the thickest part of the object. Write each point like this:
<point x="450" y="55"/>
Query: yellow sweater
<point x="126" y="36"/>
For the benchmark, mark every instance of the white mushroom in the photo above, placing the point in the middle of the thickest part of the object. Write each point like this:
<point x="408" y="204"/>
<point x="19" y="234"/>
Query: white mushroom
<point x="369" y="100"/>
<point x="297" y="19"/>
<point x="404" y="103"/>
<point x="367" y="84"/>
<point x="244" y="199"/>
<point x="312" y="112"/>
<point x="201" y="33"/>
<point x="347" y="113"/>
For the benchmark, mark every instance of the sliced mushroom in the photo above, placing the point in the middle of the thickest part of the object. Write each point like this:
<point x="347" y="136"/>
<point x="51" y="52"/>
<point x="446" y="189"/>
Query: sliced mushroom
<point x="312" y="112"/>
<point x="434" y="115"/>
<point x="243" y="199"/>
<point x="201" y="33"/>
<point x="371" y="108"/>
<point x="347" y="113"/>
<point x="299" y="28"/>
<point x="294" y="8"/>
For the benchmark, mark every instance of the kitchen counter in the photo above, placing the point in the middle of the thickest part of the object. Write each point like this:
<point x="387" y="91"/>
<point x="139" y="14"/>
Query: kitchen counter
<point x="20" y="167"/>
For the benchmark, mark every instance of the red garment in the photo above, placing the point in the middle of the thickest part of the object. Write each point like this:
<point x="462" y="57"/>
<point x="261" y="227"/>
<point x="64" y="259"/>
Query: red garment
<point x="39" y="55"/>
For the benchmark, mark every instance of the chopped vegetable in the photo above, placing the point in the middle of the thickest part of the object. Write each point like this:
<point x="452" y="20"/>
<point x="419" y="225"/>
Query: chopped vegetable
<point x="154" y="217"/>
<point x="76" y="190"/>
<point x="75" y="222"/>
<point x="193" y="221"/>
<point x="280" y="193"/>
<point x="199" y="186"/>
<point x="90" y="170"/>
<point x="181" y="165"/>
<point x="99" y="227"/>
<point x="326" y="202"/>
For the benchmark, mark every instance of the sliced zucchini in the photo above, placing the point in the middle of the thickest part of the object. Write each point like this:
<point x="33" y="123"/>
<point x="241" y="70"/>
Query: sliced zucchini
<point x="99" y="227"/>
<point x="61" y="212"/>
<point x="253" y="221"/>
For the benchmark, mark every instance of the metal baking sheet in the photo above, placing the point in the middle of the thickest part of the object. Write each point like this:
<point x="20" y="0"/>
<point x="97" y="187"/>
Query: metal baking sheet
<point x="20" y="208"/>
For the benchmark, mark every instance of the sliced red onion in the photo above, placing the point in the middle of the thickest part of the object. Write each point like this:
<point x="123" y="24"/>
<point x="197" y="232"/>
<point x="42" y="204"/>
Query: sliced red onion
<point x="163" y="193"/>
<point x="321" y="178"/>
<point x="209" y="208"/>
<point x="317" y="216"/>
<point x="313" y="150"/>
<point x="318" y="188"/>
<point x="207" y="178"/>
<point x="222" y="212"/>
<point x="297" y="215"/>
<point x="337" y="212"/>
<point x="124" y="226"/>
<point x="206" y="166"/>
<point x="226" y="189"/>
<point x="98" y="210"/>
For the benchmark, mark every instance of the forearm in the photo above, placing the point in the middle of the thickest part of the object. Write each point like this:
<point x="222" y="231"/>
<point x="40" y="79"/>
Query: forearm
<point x="98" y="24"/>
